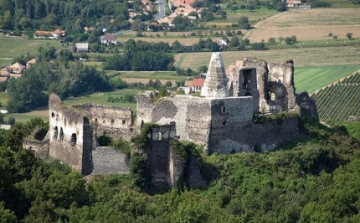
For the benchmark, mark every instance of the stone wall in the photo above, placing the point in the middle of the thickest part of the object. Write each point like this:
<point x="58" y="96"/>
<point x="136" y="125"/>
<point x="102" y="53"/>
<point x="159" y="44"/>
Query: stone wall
<point x="110" y="120"/>
<point x="262" y="79"/>
<point x="251" y="137"/>
<point x="40" y="148"/>
<point x="284" y="74"/>
<point x="107" y="160"/>
<point x="66" y="132"/>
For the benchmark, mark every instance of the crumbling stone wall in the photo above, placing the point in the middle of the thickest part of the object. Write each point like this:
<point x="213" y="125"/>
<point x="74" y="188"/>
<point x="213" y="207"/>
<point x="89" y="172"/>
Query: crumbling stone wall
<point x="107" y="160"/>
<point x="40" y="148"/>
<point x="249" y="137"/>
<point x="110" y="120"/>
<point x="262" y="79"/>
<point x="70" y="135"/>
<point x="166" y="164"/>
<point x="284" y="74"/>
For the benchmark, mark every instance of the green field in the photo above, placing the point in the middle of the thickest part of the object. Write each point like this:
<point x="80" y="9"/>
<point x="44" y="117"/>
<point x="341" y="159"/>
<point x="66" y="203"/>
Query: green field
<point x="24" y="117"/>
<point x="3" y="99"/>
<point x="313" y="78"/>
<point x="12" y="47"/>
<point x="161" y="75"/>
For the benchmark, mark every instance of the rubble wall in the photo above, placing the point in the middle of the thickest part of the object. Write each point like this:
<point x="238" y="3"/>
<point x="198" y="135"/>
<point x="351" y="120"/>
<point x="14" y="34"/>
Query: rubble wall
<point x="107" y="160"/>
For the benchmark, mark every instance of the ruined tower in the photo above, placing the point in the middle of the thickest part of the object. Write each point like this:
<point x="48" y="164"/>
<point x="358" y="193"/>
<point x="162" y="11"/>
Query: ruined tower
<point x="215" y="85"/>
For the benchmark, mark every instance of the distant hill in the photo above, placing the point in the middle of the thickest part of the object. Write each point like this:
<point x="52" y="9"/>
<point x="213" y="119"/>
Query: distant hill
<point x="340" y="101"/>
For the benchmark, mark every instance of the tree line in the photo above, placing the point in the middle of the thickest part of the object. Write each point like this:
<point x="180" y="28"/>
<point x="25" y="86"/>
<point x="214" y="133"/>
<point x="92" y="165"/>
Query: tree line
<point x="311" y="180"/>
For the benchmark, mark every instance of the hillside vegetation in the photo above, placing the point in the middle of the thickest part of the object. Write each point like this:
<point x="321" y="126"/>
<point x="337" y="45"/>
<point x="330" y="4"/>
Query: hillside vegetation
<point x="339" y="101"/>
<point x="313" y="180"/>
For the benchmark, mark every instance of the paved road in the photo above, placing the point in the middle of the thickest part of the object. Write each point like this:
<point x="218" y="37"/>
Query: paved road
<point x="161" y="10"/>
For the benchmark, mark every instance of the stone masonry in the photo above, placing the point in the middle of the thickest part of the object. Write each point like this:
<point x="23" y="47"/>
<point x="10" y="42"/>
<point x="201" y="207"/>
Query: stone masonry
<point x="222" y="120"/>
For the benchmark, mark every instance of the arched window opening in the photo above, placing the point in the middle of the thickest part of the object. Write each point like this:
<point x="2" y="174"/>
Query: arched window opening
<point x="52" y="114"/>
<point x="73" y="139"/>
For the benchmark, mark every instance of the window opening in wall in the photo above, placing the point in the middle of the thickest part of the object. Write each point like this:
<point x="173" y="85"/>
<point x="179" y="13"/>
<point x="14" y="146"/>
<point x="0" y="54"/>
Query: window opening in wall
<point x="112" y="121"/>
<point x="57" y="117"/>
<point x="224" y="122"/>
<point x="52" y="115"/>
<point x="123" y="122"/>
<point x="160" y="136"/>
<point x="96" y="120"/>
<point x="272" y="96"/>
<point x="247" y="75"/>
<point x="64" y="122"/>
<point x="55" y="133"/>
<point x="223" y="109"/>
<point x="61" y="134"/>
<point x="73" y="139"/>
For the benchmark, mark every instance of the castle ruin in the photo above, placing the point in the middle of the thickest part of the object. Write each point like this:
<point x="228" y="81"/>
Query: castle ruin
<point x="224" y="119"/>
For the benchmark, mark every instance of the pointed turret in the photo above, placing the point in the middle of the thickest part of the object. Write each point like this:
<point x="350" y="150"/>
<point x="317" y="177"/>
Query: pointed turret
<point x="215" y="85"/>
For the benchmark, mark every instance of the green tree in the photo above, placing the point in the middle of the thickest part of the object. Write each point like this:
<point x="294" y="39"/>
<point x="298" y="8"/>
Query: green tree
<point x="243" y="22"/>
<point x="234" y="42"/>
<point x="349" y="35"/>
<point x="272" y="41"/>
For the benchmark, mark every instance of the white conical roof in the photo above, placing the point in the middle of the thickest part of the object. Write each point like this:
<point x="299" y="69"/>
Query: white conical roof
<point x="216" y="81"/>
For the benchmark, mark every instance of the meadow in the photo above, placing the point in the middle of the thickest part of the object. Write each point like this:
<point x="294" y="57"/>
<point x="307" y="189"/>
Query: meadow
<point x="313" y="78"/>
<point x="301" y="56"/>
<point x="12" y="47"/>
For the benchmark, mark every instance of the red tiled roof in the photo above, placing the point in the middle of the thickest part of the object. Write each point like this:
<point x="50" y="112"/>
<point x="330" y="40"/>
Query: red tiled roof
<point x="177" y="3"/>
<point x="108" y="38"/>
<point x="198" y="82"/>
<point x="3" y="79"/>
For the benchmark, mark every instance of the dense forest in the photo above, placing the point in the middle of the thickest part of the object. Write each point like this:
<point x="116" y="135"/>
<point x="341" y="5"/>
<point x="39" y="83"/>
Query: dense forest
<point x="315" y="179"/>
<point x="71" y="15"/>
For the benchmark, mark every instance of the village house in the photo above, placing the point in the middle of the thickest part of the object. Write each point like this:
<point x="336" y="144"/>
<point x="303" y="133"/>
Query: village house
<point x="182" y="8"/>
<point x="82" y="47"/>
<point x="197" y="84"/>
<point x="293" y="3"/>
<point x="50" y="34"/>
<point x="108" y="39"/>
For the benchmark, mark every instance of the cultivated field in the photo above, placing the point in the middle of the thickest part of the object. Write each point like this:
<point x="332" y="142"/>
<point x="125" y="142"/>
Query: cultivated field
<point x="339" y="101"/>
<point x="313" y="78"/>
<point x="12" y="47"/>
<point x="301" y="56"/>
<point x="314" y="24"/>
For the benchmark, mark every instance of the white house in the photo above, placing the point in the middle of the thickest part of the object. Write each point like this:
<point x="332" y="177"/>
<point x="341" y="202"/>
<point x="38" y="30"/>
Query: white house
<point x="108" y="39"/>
